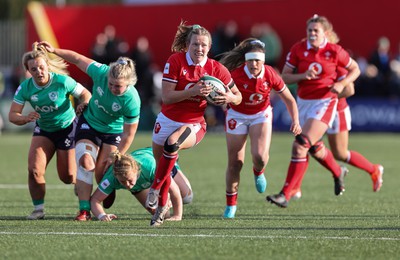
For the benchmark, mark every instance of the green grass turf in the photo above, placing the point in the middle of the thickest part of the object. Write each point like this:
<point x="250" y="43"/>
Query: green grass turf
<point x="360" y="224"/>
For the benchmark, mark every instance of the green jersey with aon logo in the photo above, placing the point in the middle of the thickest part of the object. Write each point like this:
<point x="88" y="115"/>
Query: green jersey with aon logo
<point x="50" y="101"/>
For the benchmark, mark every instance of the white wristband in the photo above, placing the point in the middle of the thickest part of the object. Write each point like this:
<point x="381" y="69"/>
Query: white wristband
<point x="101" y="215"/>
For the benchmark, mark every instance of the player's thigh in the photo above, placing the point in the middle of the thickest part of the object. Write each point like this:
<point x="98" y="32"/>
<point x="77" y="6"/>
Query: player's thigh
<point x="260" y="139"/>
<point x="185" y="136"/>
<point x="102" y="157"/>
<point x="339" y="144"/>
<point x="66" y="162"/>
<point x="236" y="145"/>
<point x="157" y="151"/>
<point x="41" y="151"/>
<point x="314" y="129"/>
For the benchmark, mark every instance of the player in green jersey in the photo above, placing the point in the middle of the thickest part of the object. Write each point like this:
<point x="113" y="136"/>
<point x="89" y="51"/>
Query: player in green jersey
<point x="108" y="124"/>
<point x="48" y="92"/>
<point x="135" y="172"/>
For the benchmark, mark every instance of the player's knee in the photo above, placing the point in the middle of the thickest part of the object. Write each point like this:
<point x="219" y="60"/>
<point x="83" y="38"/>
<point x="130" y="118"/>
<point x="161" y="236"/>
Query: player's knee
<point x="172" y="147"/>
<point x="86" y="155"/>
<point x="188" y="198"/>
<point x="86" y="161"/>
<point x="303" y="141"/>
<point x="301" y="145"/>
<point x="236" y="166"/>
<point x="260" y="160"/>
<point x="36" y="175"/>
<point x="68" y="179"/>
<point x="318" y="146"/>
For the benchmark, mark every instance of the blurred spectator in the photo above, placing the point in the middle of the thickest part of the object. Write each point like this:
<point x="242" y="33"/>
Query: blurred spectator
<point x="145" y="69"/>
<point x="107" y="47"/>
<point x="12" y="81"/>
<point x="394" y="87"/>
<point x="143" y="58"/>
<point x="2" y="84"/>
<point x="380" y="58"/>
<point x="115" y="47"/>
<point x="224" y="38"/>
<point x="98" y="51"/>
<point x="366" y="84"/>
<point x="273" y="45"/>
<point x="1" y="93"/>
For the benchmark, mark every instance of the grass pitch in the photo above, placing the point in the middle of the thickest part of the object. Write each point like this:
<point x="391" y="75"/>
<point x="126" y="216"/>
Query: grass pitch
<point x="360" y="224"/>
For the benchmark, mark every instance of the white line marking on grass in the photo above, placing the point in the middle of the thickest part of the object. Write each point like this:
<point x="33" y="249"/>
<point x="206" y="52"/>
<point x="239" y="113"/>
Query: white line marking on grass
<point x="195" y="236"/>
<point x="25" y="186"/>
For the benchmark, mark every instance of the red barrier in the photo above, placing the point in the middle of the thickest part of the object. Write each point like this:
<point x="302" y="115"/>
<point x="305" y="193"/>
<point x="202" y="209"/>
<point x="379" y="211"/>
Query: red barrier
<point x="358" y="23"/>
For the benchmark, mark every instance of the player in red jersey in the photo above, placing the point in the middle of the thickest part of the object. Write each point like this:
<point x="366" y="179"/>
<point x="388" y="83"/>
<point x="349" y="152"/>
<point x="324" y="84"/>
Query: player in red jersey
<point x="338" y="135"/>
<point x="181" y="123"/>
<point x="312" y="64"/>
<point x="253" y="116"/>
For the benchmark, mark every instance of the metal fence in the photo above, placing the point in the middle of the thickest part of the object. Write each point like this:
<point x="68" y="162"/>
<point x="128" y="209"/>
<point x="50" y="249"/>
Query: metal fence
<point x="12" y="42"/>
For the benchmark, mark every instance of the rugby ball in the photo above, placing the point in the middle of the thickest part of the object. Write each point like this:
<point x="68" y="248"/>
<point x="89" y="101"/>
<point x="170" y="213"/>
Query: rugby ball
<point x="217" y="86"/>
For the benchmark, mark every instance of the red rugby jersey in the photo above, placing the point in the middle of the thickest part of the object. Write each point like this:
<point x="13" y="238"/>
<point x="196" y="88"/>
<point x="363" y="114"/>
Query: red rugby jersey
<point x="324" y="60"/>
<point x="181" y="70"/>
<point x="256" y="91"/>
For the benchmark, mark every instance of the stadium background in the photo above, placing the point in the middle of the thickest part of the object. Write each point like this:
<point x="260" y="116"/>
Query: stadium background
<point x="358" y="23"/>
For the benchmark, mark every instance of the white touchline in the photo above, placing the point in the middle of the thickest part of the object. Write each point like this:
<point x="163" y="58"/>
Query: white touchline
<point x="48" y="186"/>
<point x="196" y="236"/>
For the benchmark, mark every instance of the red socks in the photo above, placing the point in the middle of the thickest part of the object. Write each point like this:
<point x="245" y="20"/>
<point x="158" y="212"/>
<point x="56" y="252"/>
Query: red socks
<point x="258" y="173"/>
<point x="359" y="161"/>
<point x="163" y="170"/>
<point x="296" y="171"/>
<point x="162" y="180"/>
<point x="231" y="198"/>
<point x="330" y="163"/>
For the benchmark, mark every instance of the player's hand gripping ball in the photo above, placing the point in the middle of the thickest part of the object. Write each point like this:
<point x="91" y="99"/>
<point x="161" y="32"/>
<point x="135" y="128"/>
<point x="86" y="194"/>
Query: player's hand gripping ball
<point x="217" y="87"/>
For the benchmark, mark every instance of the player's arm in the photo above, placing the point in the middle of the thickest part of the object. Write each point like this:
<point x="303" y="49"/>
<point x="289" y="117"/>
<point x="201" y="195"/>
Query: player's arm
<point x="291" y="107"/>
<point x="96" y="207"/>
<point x="352" y="75"/>
<point x="170" y="95"/>
<point x="290" y="77"/>
<point x="176" y="200"/>
<point x="234" y="96"/>
<point x="15" y="115"/>
<point x="348" y="91"/>
<point x="128" y="135"/>
<point x="81" y="61"/>
<point x="84" y="97"/>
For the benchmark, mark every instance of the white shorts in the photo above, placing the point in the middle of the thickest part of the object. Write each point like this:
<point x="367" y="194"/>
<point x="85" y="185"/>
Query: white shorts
<point x="342" y="121"/>
<point x="164" y="127"/>
<point x="239" y="123"/>
<point x="319" y="109"/>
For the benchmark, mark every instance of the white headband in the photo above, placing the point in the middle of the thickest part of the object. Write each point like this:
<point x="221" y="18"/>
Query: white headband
<point x="255" y="56"/>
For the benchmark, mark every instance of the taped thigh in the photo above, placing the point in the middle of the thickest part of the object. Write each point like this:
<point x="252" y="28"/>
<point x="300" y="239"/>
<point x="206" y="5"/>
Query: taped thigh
<point x="171" y="148"/>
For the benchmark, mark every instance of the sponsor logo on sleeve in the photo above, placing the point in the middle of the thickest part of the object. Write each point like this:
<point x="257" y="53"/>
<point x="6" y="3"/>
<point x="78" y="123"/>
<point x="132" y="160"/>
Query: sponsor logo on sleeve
<point x="105" y="184"/>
